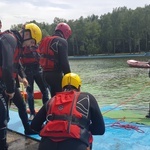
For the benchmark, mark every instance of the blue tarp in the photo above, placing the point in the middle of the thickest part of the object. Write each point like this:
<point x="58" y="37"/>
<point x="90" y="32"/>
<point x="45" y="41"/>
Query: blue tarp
<point x="115" y="137"/>
<point x="119" y="138"/>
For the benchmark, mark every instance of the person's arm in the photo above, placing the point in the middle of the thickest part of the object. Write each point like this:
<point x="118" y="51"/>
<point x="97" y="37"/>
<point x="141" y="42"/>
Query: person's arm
<point x="39" y="119"/>
<point x="97" y="126"/>
<point x="8" y="47"/>
<point x="21" y="71"/>
<point x="24" y="81"/>
<point x="63" y="56"/>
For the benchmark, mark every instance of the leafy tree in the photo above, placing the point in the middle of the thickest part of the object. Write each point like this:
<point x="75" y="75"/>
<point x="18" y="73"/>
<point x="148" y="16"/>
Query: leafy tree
<point x="122" y="31"/>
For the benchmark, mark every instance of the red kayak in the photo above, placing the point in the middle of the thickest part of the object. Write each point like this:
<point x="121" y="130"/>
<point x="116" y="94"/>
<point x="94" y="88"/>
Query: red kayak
<point x="138" y="64"/>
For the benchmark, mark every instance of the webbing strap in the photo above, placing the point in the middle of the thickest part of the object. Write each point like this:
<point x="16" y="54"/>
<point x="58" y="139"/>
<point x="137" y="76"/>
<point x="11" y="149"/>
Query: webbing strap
<point x="83" y="122"/>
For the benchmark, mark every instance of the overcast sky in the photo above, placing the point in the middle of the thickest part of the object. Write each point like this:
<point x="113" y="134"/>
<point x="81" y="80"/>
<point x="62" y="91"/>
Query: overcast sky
<point x="20" y="11"/>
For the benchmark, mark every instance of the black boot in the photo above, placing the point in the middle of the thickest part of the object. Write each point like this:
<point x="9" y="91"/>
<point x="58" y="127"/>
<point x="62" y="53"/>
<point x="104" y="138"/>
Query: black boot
<point x="29" y="131"/>
<point x="24" y="118"/>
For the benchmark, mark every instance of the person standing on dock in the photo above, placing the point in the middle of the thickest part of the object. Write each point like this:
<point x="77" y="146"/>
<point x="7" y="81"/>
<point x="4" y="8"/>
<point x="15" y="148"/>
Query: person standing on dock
<point x="34" y="73"/>
<point x="54" y="57"/>
<point x="11" y="43"/>
<point x="148" y="114"/>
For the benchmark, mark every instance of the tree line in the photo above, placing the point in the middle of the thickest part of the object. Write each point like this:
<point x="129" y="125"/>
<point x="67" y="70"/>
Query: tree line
<point x="122" y="31"/>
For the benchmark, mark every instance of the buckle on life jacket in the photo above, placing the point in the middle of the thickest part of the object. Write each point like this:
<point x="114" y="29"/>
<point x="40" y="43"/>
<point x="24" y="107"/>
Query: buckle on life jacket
<point x="50" y="117"/>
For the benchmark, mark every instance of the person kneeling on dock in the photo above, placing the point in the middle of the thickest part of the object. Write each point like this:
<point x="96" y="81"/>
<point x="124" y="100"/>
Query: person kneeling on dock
<point x="71" y="117"/>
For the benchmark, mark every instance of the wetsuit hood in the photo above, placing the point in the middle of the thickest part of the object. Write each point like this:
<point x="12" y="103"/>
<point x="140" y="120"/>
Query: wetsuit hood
<point x="58" y="33"/>
<point x="18" y="36"/>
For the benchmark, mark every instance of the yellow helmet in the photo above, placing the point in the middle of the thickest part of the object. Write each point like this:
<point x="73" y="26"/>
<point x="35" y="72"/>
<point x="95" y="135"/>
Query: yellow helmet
<point x="71" y="79"/>
<point x="36" y="32"/>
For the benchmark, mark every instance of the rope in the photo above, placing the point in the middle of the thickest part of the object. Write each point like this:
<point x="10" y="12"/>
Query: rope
<point x="129" y="99"/>
<point x="127" y="126"/>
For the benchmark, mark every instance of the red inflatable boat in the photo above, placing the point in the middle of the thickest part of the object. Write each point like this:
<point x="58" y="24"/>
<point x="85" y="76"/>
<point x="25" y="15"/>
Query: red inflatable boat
<point x="138" y="64"/>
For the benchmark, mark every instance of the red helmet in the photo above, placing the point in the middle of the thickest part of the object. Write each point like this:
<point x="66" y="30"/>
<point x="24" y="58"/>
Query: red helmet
<point x="65" y="29"/>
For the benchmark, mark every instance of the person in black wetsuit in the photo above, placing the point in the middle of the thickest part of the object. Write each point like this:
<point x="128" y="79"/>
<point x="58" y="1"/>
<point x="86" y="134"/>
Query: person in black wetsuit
<point x="71" y="117"/>
<point x="58" y="64"/>
<point x="19" y="101"/>
<point x="30" y="61"/>
<point x="11" y="43"/>
<point x="0" y="25"/>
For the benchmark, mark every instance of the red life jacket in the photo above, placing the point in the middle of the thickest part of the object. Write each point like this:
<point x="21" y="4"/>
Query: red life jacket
<point x="16" y="56"/>
<point x="29" y="56"/>
<point x="63" y="119"/>
<point x="48" y="55"/>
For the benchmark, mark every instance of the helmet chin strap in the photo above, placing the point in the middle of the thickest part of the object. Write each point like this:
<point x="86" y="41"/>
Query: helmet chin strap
<point x="23" y="31"/>
<point x="61" y="34"/>
<point x="27" y="39"/>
